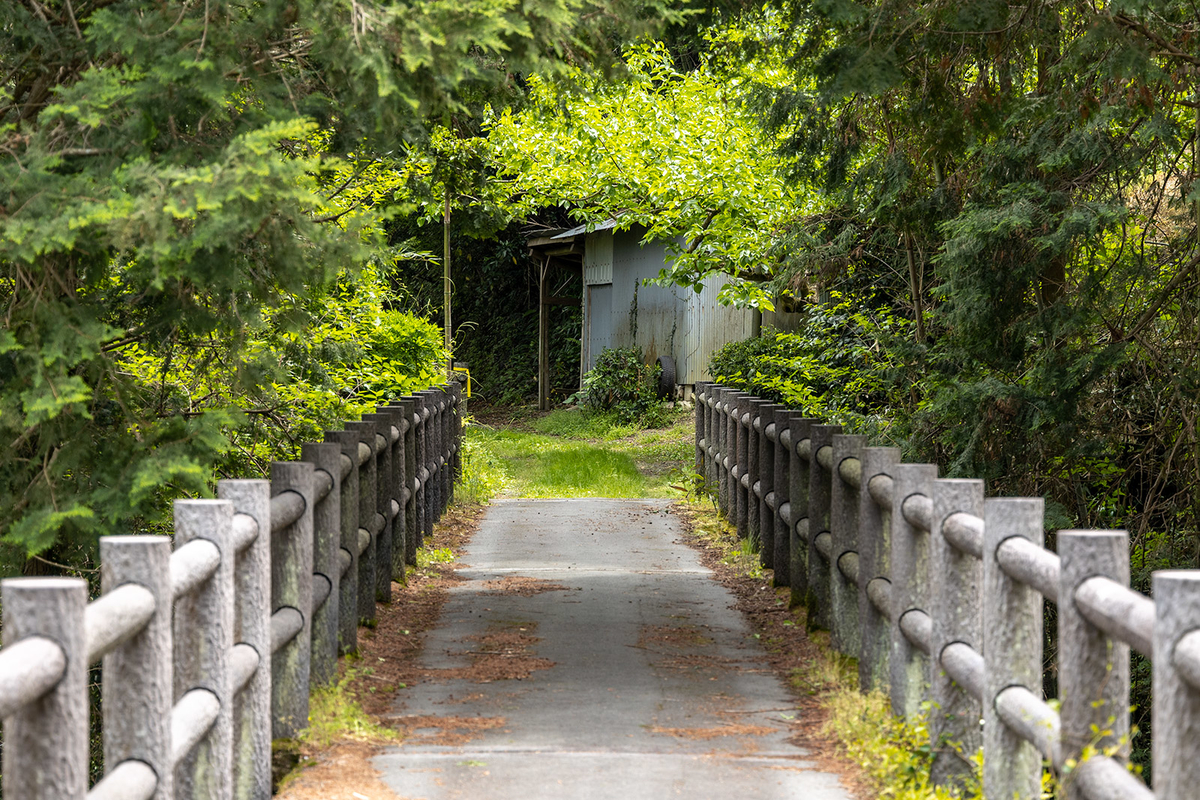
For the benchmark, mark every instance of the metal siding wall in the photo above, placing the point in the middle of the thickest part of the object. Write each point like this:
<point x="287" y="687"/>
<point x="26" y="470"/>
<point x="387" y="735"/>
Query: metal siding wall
<point x="710" y="326"/>
<point x="598" y="258"/>
<point x="600" y="321"/>
<point x="662" y="311"/>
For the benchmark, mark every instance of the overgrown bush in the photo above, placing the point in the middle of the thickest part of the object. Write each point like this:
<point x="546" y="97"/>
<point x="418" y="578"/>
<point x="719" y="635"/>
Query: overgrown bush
<point x="843" y="364"/>
<point x="623" y="383"/>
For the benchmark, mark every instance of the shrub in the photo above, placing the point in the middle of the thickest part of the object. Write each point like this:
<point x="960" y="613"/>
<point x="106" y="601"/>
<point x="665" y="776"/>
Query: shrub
<point x="842" y="365"/>
<point x="622" y="383"/>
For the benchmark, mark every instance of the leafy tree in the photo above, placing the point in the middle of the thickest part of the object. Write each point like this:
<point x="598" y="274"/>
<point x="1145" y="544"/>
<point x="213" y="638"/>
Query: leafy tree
<point x="176" y="177"/>
<point x="674" y="152"/>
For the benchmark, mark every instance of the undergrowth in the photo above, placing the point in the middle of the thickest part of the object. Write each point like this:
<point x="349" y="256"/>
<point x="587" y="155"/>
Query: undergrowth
<point x="335" y="715"/>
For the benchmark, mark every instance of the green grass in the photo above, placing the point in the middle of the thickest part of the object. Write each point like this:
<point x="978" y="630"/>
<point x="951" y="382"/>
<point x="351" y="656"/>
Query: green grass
<point x="571" y="453"/>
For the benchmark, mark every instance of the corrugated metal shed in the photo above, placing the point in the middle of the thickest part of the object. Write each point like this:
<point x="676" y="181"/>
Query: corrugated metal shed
<point x="668" y="320"/>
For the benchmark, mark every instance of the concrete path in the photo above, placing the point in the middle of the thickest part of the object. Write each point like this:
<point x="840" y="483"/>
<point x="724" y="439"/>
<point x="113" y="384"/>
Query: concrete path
<point x="649" y="684"/>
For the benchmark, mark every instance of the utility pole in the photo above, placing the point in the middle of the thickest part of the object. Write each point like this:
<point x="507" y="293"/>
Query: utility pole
<point x="446" y="285"/>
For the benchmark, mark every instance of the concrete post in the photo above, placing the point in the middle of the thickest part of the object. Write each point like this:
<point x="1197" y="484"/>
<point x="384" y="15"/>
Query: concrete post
<point x="412" y="530"/>
<point x="447" y="454"/>
<point x="766" y="483"/>
<point x="136" y="683"/>
<point x="384" y="487"/>
<point x="782" y="486"/>
<point x="368" y="509"/>
<point x="820" y="489"/>
<point x="347" y="442"/>
<point x="742" y="431"/>
<point x="754" y="445"/>
<point x="1176" y="708"/>
<point x="956" y="580"/>
<point x="399" y="490"/>
<point x="456" y="434"/>
<point x="326" y="458"/>
<point x="420" y="415"/>
<point x="46" y="741"/>
<point x="721" y="425"/>
<point x="701" y="433"/>
<point x="203" y="637"/>
<point x="713" y="436"/>
<point x="291" y="587"/>
<point x="252" y="626"/>
<point x="874" y="553"/>
<point x="1093" y="670"/>
<point x="843" y="527"/>
<point x="798" y="478"/>
<point x="732" y="440"/>
<point x="1012" y="642"/>
<point x="909" y="668"/>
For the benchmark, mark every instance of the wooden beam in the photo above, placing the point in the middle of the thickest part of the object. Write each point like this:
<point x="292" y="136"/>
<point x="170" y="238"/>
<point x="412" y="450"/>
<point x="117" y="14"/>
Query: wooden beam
<point x="543" y="340"/>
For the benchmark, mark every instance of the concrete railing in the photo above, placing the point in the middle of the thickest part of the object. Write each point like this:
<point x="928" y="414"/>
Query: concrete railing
<point x="210" y="648"/>
<point x="938" y="592"/>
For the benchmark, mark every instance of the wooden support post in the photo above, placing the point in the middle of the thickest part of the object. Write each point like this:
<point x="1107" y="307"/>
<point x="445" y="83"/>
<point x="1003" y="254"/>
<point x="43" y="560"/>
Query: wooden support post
<point x="843" y="529"/>
<point x="203" y="638"/>
<point x="957" y="578"/>
<point x="46" y="741"/>
<point x="291" y="588"/>
<point x="252" y="626"/>
<point x="1093" y="670"/>
<point x="136" y="681"/>
<point x="909" y="667"/>
<point x="1012" y="644"/>
<point x="543" y="339"/>
<point x="874" y="554"/>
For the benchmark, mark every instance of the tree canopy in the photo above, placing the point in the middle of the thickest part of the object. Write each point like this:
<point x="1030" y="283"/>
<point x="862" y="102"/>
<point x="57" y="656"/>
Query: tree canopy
<point x="183" y="185"/>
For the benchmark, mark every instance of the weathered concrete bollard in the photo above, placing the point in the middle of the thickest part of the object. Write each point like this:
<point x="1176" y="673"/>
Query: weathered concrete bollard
<point x="46" y="741"/>
<point x="203" y="639"/>
<point x="347" y="443"/>
<point x="956" y="578"/>
<point x="326" y="459"/>
<point x="291" y="588"/>
<point x="909" y="665"/>
<point x="252" y="627"/>
<point x="1012" y="642"/>
<point x="844" y="556"/>
<point x="874" y="552"/>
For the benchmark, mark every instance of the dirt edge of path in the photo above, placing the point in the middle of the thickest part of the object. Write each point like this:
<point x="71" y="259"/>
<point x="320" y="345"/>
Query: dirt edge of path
<point x="790" y="650"/>
<point x="386" y="664"/>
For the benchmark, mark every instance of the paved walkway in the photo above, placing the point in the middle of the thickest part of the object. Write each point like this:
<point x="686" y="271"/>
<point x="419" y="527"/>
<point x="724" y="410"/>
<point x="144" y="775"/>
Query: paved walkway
<point x="645" y="682"/>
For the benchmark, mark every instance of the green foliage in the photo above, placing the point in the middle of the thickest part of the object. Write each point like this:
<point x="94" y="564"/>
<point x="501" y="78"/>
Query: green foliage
<point x="894" y="754"/>
<point x="842" y="364"/>
<point x="182" y="186"/>
<point x="482" y="472"/>
<point x="672" y="151"/>
<point x="622" y="383"/>
<point x="335" y="715"/>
